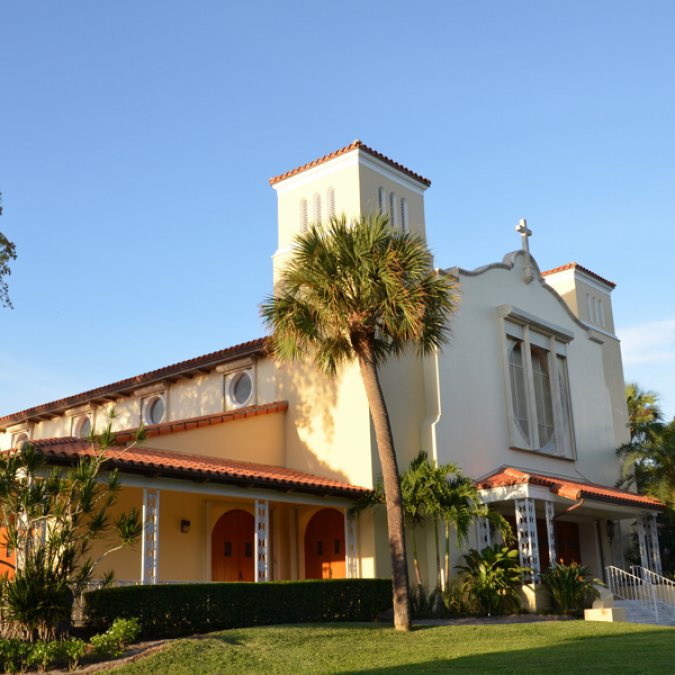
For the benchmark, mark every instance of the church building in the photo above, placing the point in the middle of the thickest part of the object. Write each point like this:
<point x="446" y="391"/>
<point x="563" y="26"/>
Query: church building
<point x="250" y="466"/>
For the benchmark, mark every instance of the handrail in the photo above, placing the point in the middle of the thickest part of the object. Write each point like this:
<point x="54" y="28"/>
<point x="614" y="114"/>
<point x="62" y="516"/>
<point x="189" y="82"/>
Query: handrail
<point x="664" y="588"/>
<point x="631" y="587"/>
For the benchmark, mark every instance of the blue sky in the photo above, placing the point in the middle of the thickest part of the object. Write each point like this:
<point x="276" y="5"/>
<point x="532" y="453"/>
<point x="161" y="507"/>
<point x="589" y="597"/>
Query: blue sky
<point x="137" y="139"/>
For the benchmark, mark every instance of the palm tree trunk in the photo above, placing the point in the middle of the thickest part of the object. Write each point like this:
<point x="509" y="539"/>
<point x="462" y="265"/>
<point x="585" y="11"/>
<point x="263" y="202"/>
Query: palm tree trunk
<point x="438" y="554"/>
<point x="447" y="554"/>
<point x="392" y="488"/>
<point x="416" y="563"/>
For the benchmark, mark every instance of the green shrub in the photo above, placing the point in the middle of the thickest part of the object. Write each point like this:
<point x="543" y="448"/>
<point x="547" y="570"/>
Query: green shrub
<point x="14" y="655"/>
<point x="571" y="587"/>
<point x="183" y="609"/>
<point x="492" y="579"/>
<point x="115" y="640"/>
<point x="73" y="650"/>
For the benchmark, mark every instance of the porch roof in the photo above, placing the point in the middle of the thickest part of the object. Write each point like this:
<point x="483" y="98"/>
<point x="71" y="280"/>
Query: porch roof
<point x="172" y="464"/>
<point x="507" y="476"/>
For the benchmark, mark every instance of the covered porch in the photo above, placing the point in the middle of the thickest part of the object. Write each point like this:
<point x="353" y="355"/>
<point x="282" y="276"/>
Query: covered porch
<point x="212" y="519"/>
<point x="561" y="519"/>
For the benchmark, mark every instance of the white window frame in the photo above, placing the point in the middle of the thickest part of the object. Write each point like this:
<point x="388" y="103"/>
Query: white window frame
<point x="78" y="422"/>
<point x="148" y="402"/>
<point x="230" y="381"/>
<point x="517" y="325"/>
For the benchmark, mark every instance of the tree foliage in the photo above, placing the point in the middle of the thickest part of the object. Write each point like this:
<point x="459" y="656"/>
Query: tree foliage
<point x="7" y="254"/>
<point x="50" y="517"/>
<point x="363" y="292"/>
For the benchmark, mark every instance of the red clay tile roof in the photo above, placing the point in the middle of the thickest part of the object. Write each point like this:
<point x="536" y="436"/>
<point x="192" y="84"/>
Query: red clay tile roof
<point x="565" y="487"/>
<point x="574" y="265"/>
<point x="190" y="423"/>
<point x="191" y="366"/>
<point x="170" y="464"/>
<point x="342" y="151"/>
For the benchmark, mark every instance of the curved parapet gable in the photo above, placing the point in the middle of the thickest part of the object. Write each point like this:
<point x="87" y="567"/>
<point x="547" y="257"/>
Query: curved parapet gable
<point x="507" y="264"/>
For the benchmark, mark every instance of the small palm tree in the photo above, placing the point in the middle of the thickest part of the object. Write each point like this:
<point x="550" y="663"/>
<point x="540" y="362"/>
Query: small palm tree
<point x="363" y="292"/>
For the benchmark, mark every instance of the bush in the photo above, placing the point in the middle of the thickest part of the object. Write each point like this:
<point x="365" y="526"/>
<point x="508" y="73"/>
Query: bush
<point x="571" y="587"/>
<point x="493" y="577"/>
<point x="14" y="655"/>
<point x="115" y="640"/>
<point x="183" y="609"/>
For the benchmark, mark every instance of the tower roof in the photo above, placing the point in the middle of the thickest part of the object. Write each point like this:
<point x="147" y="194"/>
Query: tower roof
<point x="581" y="268"/>
<point x="357" y="144"/>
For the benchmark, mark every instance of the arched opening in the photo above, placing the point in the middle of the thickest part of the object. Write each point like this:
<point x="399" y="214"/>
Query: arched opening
<point x="232" y="547"/>
<point x="325" y="545"/>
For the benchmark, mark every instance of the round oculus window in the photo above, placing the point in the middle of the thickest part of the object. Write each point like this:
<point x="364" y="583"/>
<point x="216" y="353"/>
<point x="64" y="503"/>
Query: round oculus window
<point x="241" y="388"/>
<point x="20" y="440"/>
<point x="155" y="410"/>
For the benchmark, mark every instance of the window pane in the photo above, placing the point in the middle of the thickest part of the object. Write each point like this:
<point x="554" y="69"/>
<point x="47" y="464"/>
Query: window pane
<point x="563" y="383"/>
<point x="542" y="395"/>
<point x="242" y="388"/>
<point x="156" y="410"/>
<point x="518" y="387"/>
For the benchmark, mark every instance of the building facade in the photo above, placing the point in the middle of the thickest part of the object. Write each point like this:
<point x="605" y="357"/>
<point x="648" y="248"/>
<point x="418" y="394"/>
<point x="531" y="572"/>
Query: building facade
<point x="250" y="466"/>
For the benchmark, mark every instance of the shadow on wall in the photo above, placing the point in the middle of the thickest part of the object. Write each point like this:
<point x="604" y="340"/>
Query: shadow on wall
<point x="312" y="442"/>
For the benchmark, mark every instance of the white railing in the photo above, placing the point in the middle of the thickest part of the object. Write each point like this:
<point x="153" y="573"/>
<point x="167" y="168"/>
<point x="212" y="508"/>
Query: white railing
<point x="630" y="587"/>
<point x="664" y="588"/>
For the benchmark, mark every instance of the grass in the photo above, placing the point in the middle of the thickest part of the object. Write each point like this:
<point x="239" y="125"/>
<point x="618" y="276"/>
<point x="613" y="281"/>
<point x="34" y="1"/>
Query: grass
<point x="550" y="647"/>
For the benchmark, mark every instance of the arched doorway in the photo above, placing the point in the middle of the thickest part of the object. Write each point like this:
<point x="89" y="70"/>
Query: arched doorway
<point x="325" y="545"/>
<point x="232" y="547"/>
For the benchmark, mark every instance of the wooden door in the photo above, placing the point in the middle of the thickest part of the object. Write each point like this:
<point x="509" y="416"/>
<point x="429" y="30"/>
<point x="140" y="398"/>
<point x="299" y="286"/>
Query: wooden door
<point x="232" y="547"/>
<point x="325" y="546"/>
<point x="567" y="542"/>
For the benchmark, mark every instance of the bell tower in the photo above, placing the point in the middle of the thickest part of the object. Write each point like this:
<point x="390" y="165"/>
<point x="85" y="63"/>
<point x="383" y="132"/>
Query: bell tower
<point x="355" y="180"/>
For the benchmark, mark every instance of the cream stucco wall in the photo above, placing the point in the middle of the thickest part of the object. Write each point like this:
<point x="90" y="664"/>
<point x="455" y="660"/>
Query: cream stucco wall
<point x="474" y="427"/>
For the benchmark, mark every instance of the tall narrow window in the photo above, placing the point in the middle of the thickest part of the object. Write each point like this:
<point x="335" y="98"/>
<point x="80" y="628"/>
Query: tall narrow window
<point x="317" y="209"/>
<point x="330" y="198"/>
<point x="392" y="208"/>
<point x="303" y="214"/>
<point x="542" y="395"/>
<point x="382" y="200"/>
<point x="566" y="417"/>
<point x="404" y="214"/>
<point x="539" y="388"/>
<point x="517" y="373"/>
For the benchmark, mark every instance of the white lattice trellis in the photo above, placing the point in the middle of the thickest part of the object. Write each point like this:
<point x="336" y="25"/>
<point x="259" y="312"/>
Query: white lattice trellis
<point x="642" y="541"/>
<point x="150" y="537"/>
<point x="550" y="533"/>
<point x="351" y="550"/>
<point x="528" y="544"/>
<point x="483" y="533"/>
<point x="262" y="540"/>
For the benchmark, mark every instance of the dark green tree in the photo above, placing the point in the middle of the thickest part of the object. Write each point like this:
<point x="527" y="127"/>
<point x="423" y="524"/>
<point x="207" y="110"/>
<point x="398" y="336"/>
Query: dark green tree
<point x="7" y="254"/>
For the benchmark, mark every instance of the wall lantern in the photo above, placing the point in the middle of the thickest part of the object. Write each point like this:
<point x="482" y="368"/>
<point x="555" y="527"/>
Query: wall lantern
<point x="184" y="526"/>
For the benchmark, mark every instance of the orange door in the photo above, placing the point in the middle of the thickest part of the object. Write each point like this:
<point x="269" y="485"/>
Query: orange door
<point x="325" y="546"/>
<point x="232" y="547"/>
<point x="7" y="558"/>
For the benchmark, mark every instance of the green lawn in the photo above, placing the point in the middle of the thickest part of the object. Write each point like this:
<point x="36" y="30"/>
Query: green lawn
<point x="547" y="647"/>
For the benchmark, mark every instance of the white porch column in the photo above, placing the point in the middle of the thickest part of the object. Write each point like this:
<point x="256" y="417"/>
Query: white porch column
<point x="150" y="537"/>
<point x="262" y="540"/>
<point x="550" y="532"/>
<point x="650" y="555"/>
<point x="642" y="541"/>
<point x="528" y="544"/>
<point x="351" y="547"/>
<point x="483" y="533"/>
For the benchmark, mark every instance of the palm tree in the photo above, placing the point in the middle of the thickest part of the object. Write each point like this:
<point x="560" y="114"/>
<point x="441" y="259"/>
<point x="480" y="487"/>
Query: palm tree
<point x="643" y="409"/>
<point x="363" y="292"/>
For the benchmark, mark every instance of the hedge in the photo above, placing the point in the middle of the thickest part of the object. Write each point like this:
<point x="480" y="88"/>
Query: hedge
<point x="173" y="610"/>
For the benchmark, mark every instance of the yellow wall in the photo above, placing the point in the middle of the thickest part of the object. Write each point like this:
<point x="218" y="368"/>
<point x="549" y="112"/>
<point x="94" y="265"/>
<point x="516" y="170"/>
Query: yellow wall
<point x="254" y="439"/>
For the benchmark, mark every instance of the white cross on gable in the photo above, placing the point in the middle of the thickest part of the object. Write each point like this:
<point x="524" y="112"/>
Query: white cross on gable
<point x="525" y="234"/>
